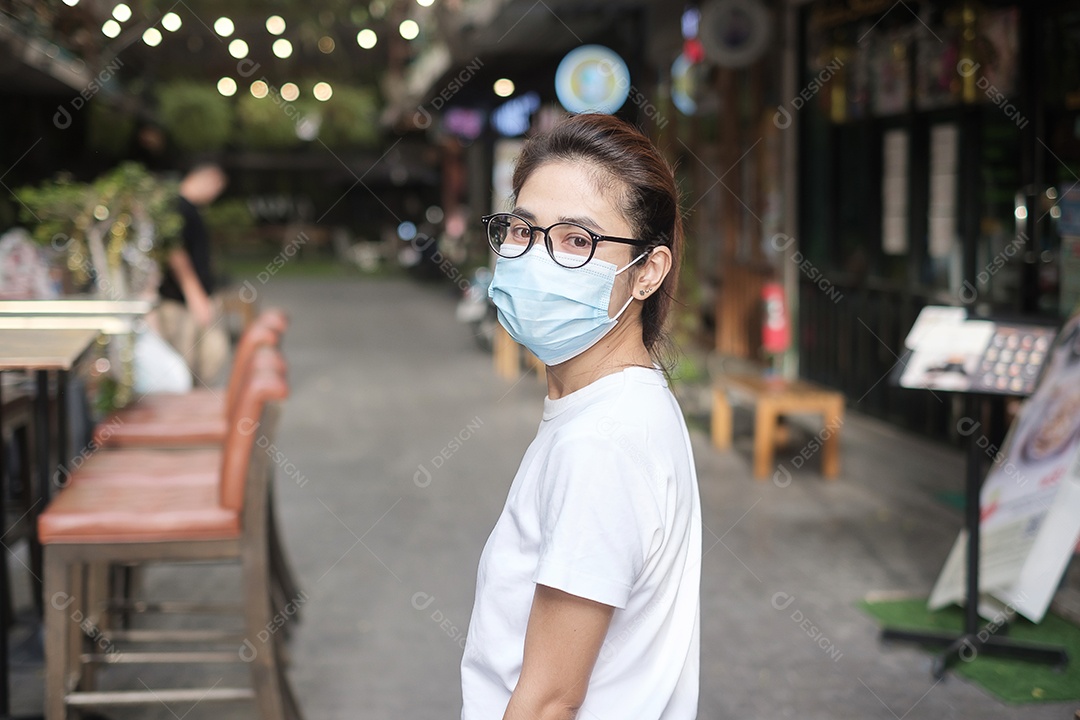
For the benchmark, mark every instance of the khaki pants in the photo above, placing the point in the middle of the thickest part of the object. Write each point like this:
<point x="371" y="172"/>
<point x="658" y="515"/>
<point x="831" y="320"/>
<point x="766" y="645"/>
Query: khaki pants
<point x="204" y="350"/>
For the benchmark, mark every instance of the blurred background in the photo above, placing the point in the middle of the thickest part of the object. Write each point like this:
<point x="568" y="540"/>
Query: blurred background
<point x="895" y="151"/>
<point x="844" y="164"/>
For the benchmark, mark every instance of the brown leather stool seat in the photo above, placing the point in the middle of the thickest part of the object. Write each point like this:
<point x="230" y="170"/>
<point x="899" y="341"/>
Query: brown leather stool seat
<point x="197" y="466"/>
<point x="192" y="418"/>
<point x="102" y="512"/>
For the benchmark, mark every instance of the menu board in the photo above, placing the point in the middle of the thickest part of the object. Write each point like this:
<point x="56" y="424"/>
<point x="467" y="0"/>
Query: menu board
<point x="1030" y="501"/>
<point x="1012" y="361"/>
<point x="955" y="353"/>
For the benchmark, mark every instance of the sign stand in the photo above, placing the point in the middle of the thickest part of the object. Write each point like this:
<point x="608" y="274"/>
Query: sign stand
<point x="966" y="369"/>
<point x="975" y="640"/>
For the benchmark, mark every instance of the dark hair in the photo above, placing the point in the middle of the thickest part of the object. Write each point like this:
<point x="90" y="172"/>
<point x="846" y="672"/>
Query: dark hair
<point x="650" y="201"/>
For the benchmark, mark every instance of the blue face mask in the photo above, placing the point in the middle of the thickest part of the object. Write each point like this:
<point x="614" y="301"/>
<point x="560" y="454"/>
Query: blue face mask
<point x="556" y="312"/>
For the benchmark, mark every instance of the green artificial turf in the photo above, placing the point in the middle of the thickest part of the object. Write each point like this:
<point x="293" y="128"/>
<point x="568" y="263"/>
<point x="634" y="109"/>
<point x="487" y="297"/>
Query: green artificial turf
<point x="954" y="500"/>
<point x="1013" y="681"/>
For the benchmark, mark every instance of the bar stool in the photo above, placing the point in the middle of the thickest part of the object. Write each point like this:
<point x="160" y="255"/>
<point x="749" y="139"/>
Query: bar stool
<point x="198" y="418"/>
<point x="167" y="518"/>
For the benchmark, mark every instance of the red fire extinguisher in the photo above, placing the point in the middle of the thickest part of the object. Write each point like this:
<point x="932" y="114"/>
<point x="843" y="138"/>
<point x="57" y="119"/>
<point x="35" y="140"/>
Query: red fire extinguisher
<point x="776" y="331"/>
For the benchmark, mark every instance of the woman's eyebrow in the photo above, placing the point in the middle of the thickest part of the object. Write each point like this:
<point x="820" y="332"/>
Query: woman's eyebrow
<point x="583" y="220"/>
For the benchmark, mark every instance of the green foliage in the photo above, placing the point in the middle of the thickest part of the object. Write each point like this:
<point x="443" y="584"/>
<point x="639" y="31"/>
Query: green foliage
<point x="228" y="219"/>
<point x="196" y="115"/>
<point x="57" y="209"/>
<point x="267" y="123"/>
<point x="110" y="129"/>
<point x="350" y="118"/>
<point x="62" y="212"/>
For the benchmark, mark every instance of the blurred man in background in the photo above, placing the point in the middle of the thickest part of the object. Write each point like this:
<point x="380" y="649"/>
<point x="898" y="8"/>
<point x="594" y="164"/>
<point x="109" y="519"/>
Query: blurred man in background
<point x="187" y="317"/>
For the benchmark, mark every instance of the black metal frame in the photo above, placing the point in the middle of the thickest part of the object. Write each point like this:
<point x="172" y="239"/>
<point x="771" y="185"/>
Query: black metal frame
<point x="594" y="236"/>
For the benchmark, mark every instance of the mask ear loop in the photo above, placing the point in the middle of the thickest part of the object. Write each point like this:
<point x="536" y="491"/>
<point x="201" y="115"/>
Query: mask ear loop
<point x="631" y="298"/>
<point x="633" y="262"/>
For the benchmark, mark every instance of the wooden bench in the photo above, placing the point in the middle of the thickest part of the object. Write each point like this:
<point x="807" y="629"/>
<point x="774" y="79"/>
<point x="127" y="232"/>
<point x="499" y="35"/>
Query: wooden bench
<point x="772" y="397"/>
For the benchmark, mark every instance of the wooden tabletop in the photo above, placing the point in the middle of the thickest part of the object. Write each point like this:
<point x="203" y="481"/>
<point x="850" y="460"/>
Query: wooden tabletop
<point x="76" y="305"/>
<point x="774" y="386"/>
<point x="43" y="349"/>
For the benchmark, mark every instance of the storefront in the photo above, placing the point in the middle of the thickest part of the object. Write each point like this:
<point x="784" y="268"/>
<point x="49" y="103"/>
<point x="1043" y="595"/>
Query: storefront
<point x="938" y="154"/>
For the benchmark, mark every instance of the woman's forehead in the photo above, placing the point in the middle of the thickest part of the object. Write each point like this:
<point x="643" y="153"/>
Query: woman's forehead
<point x="571" y="192"/>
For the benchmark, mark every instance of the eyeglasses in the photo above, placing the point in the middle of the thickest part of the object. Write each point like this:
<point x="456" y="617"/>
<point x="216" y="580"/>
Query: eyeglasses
<point x="568" y="244"/>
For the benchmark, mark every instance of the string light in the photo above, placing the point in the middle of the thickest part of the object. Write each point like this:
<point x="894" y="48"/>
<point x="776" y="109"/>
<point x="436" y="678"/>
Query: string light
<point x="409" y="29"/>
<point x="224" y="27"/>
<point x="289" y="91"/>
<point x="226" y="86"/>
<point x="122" y="12"/>
<point x="282" y="48"/>
<point x="366" y="38"/>
<point x="275" y="24"/>
<point x="152" y="37"/>
<point x="238" y="48"/>
<point x="322" y="91"/>
<point x="171" y="22"/>
<point x="259" y="89"/>
<point x="111" y="28"/>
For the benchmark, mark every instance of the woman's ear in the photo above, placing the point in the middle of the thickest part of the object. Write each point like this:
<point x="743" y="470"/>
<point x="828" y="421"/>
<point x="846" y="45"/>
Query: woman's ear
<point x="652" y="272"/>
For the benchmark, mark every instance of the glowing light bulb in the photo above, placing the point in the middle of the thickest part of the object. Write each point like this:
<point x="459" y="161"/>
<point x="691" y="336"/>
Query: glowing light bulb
<point x="366" y="38"/>
<point x="224" y="27"/>
<point x="282" y="48"/>
<point x="275" y="24"/>
<point x="409" y="29"/>
<point x="226" y="86"/>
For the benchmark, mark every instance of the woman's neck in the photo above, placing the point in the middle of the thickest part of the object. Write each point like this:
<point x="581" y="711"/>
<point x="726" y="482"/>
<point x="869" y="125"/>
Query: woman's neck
<point x="619" y="349"/>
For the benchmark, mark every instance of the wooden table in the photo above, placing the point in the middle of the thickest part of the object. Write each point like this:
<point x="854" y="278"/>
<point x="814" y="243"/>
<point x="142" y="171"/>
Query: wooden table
<point x="44" y="349"/>
<point x="112" y="317"/>
<point x="41" y="351"/>
<point x="772" y="397"/>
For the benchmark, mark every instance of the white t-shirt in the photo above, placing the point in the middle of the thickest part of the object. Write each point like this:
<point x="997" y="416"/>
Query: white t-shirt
<point x="604" y="506"/>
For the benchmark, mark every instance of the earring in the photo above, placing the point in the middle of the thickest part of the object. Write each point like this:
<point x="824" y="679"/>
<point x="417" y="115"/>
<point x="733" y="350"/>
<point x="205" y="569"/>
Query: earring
<point x="644" y="293"/>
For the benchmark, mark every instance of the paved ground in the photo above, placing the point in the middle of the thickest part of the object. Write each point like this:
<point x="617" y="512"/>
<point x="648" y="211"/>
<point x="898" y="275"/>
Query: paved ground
<point x="404" y="444"/>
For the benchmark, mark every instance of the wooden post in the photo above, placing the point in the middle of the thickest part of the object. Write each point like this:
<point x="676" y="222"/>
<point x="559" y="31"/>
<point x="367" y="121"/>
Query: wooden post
<point x="721" y="419"/>
<point x="830" y="451"/>
<point x="507" y="354"/>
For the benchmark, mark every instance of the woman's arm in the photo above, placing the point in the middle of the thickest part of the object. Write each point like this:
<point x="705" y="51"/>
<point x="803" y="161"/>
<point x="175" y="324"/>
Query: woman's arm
<point x="562" y="641"/>
<point x="198" y="302"/>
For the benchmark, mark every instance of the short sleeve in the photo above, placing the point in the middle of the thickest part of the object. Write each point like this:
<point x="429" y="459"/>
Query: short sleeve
<point x="599" y="520"/>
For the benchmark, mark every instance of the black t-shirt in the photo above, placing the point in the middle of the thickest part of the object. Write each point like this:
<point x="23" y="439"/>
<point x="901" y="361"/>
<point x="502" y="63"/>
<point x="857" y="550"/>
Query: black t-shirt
<point x="197" y="243"/>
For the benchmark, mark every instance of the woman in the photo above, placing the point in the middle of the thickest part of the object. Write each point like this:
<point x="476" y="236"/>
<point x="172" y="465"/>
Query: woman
<point x="587" y="595"/>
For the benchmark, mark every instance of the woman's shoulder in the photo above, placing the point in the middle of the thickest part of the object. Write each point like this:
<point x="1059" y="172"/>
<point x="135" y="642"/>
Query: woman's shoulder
<point x="642" y="403"/>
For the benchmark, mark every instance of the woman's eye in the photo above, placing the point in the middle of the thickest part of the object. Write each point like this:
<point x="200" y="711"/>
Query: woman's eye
<point x="521" y="232"/>
<point x="579" y="242"/>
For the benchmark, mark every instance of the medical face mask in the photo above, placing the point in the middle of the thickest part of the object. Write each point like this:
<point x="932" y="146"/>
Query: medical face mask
<point x="556" y="312"/>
